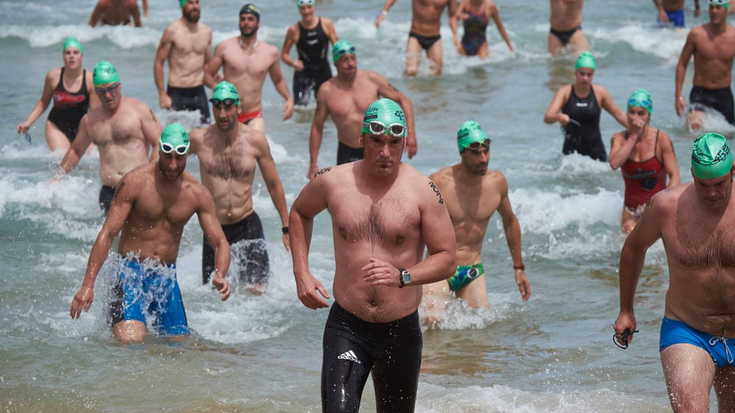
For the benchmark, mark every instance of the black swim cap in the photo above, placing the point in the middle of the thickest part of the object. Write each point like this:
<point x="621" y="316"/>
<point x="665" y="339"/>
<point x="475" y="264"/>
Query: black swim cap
<point x="250" y="9"/>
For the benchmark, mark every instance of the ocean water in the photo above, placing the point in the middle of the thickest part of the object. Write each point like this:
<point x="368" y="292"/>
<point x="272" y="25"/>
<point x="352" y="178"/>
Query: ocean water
<point x="551" y="354"/>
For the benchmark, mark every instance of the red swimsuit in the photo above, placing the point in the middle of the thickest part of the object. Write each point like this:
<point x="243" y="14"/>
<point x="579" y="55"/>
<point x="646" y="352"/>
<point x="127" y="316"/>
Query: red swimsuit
<point x="642" y="179"/>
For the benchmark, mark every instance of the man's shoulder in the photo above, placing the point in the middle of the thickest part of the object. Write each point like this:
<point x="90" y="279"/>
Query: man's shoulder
<point x="443" y="176"/>
<point x="668" y="200"/>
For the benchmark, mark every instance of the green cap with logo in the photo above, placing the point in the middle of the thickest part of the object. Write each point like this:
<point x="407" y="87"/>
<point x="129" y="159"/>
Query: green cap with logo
<point x="723" y="3"/>
<point x="642" y="99"/>
<point x="73" y="42"/>
<point x="711" y="157"/>
<point x="342" y="48"/>
<point x="104" y="73"/>
<point x="225" y="90"/>
<point x="469" y="133"/>
<point x="586" y="60"/>
<point x="386" y="112"/>
<point x="175" y="135"/>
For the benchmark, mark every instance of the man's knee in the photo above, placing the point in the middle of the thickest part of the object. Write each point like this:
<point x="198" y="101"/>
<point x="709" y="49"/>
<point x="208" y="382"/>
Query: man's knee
<point x="129" y="332"/>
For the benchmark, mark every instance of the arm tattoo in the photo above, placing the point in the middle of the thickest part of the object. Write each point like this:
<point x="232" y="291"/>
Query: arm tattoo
<point x="322" y="171"/>
<point x="119" y="189"/>
<point x="436" y="191"/>
<point x="393" y="87"/>
<point x="153" y="115"/>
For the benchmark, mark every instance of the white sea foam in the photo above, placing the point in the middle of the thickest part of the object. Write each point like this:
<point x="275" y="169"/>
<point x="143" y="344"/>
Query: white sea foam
<point x="645" y="38"/>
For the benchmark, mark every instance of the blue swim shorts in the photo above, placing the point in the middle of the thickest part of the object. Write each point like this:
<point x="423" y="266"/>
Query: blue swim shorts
<point x="153" y="292"/>
<point x="675" y="17"/>
<point x="676" y="332"/>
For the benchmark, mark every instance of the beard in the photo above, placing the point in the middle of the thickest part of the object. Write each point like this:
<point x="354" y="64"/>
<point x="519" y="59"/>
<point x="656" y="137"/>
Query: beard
<point x="192" y="17"/>
<point x="248" y="34"/>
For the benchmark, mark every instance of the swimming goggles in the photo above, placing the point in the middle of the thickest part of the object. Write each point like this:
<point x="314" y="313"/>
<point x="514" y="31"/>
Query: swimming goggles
<point x="642" y="102"/>
<point x="217" y="103"/>
<point x="377" y="127"/>
<point x="723" y="3"/>
<point x="343" y="52"/>
<point x="624" y="336"/>
<point x="28" y="137"/>
<point x="168" y="148"/>
<point x="103" y="90"/>
<point x="475" y="146"/>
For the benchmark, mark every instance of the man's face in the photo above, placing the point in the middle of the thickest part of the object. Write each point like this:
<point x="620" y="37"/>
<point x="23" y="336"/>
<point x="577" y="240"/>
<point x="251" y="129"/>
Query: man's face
<point x="382" y="152"/>
<point x="172" y="165"/>
<point x="249" y="25"/>
<point x="717" y="14"/>
<point x="306" y="11"/>
<point x="225" y="116"/>
<point x="72" y="58"/>
<point x="636" y="112"/>
<point x="715" y="193"/>
<point x="191" y="11"/>
<point x="476" y="160"/>
<point x="584" y="76"/>
<point x="347" y="65"/>
<point x="110" y="95"/>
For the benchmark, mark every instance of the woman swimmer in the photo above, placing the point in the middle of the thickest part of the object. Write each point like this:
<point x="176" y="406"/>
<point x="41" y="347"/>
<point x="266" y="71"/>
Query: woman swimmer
<point x="577" y="108"/>
<point x="69" y="107"/>
<point x="476" y="14"/>
<point x="645" y="155"/>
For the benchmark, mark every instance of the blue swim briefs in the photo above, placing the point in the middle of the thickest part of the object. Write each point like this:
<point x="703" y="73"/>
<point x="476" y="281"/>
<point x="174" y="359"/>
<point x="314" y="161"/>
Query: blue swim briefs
<point x="153" y="292"/>
<point x="675" y="17"/>
<point x="676" y="332"/>
<point x="464" y="275"/>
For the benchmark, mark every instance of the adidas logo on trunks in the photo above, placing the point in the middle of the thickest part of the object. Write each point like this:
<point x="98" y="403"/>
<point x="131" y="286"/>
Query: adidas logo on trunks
<point x="349" y="355"/>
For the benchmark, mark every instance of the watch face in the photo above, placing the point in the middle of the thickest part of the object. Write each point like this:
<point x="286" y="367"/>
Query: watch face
<point x="405" y="277"/>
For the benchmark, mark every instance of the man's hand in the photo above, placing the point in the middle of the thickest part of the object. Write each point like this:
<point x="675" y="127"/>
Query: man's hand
<point x="411" y="145"/>
<point x="82" y="301"/>
<point x="298" y="66"/>
<point x="697" y="11"/>
<point x="381" y="17"/>
<point x="287" y="242"/>
<point x="523" y="285"/>
<point x="679" y="103"/>
<point x="222" y="285"/>
<point x="288" y="109"/>
<point x="312" y="170"/>
<point x="625" y="321"/>
<point x="164" y="100"/>
<point x="663" y="17"/>
<point x="381" y="273"/>
<point x="307" y="287"/>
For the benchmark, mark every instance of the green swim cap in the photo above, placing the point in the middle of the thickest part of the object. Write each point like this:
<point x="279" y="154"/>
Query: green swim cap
<point x="73" y="42"/>
<point x="302" y="3"/>
<point x="723" y="3"/>
<point x="175" y="135"/>
<point x="386" y="112"/>
<point x="225" y="90"/>
<point x="586" y="60"/>
<point x="182" y="2"/>
<point x="104" y="73"/>
<point x="711" y="157"/>
<point x="642" y="99"/>
<point x="469" y="133"/>
<point x="342" y="48"/>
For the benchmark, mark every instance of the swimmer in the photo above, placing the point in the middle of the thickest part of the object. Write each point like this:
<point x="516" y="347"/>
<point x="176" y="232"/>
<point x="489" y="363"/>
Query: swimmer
<point x="186" y="44"/>
<point x="472" y="194"/>
<point x="151" y="207"/>
<point x="383" y="213"/>
<point x="577" y="108"/>
<point x="713" y="47"/>
<point x="124" y="129"/>
<point x="695" y="222"/>
<point x="246" y="61"/>
<point x="62" y="123"/>
<point x="425" y="31"/>
<point x="345" y="98"/>
<point x="228" y="152"/>
<point x="566" y="26"/>
<point x="311" y="36"/>
<point x="115" y="13"/>
<point x="476" y="14"/>
<point x="646" y="157"/>
<point x="672" y="12"/>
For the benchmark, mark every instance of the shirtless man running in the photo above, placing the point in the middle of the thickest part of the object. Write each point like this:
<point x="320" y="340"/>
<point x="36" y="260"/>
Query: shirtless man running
<point x="383" y="214"/>
<point x="123" y="128"/>
<point x="115" y="13"/>
<point x="695" y="222"/>
<point x="228" y="152"/>
<point x="186" y="44"/>
<point x="152" y="205"/>
<point x="472" y="194"/>
<point x="246" y="62"/>
<point x="672" y="12"/>
<point x="425" y="31"/>
<point x="566" y="26"/>
<point x="346" y="97"/>
<point x="713" y="47"/>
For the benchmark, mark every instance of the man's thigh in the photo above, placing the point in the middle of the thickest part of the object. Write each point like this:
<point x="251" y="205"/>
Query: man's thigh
<point x="725" y="389"/>
<point x="578" y="41"/>
<point x="689" y="372"/>
<point x="435" y="54"/>
<point x="345" y="369"/>
<point x="475" y="293"/>
<point x="554" y="44"/>
<point x="413" y="56"/>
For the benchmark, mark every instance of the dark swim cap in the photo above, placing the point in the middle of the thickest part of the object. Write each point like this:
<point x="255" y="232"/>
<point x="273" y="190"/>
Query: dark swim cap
<point x="711" y="156"/>
<point x="250" y="9"/>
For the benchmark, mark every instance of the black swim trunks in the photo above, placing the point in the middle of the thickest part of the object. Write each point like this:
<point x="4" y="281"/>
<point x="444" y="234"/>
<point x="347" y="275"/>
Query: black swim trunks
<point x="720" y="100"/>
<point x="565" y="36"/>
<point x="248" y="249"/>
<point x="347" y="154"/>
<point x="107" y="193"/>
<point x="354" y="348"/>
<point x="425" y="41"/>
<point x="194" y="98"/>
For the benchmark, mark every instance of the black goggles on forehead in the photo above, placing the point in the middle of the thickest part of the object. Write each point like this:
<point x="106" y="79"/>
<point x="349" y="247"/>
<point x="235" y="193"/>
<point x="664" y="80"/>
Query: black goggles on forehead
<point x="475" y="146"/>
<point x="227" y="102"/>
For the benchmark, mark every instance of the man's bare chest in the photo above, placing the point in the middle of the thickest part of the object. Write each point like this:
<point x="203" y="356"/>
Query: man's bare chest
<point x="700" y="245"/>
<point x="229" y="163"/>
<point x="116" y="131"/>
<point x="389" y="221"/>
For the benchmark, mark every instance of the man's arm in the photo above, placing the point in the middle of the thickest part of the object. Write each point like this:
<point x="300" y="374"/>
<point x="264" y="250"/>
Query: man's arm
<point x="135" y="12"/>
<point x="145" y="8"/>
<point x="151" y="130"/>
<point x="310" y="202"/>
<point x="389" y="91"/>
<point x="77" y="149"/>
<point x="384" y="12"/>
<point x="608" y="103"/>
<point x="669" y="157"/>
<point x="281" y="87"/>
<point x="96" y="14"/>
<point x="697" y="10"/>
<point x="210" y="71"/>
<point x="213" y="231"/>
<point x="662" y="16"/>
<point x="273" y="183"/>
<point x="125" y="195"/>
<point x="452" y="12"/>
<point x="681" y="70"/>
<point x="162" y="53"/>
<point x="317" y="129"/>
<point x="512" y="229"/>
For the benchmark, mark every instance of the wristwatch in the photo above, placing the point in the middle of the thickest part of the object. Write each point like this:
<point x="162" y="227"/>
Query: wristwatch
<point x="404" y="277"/>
